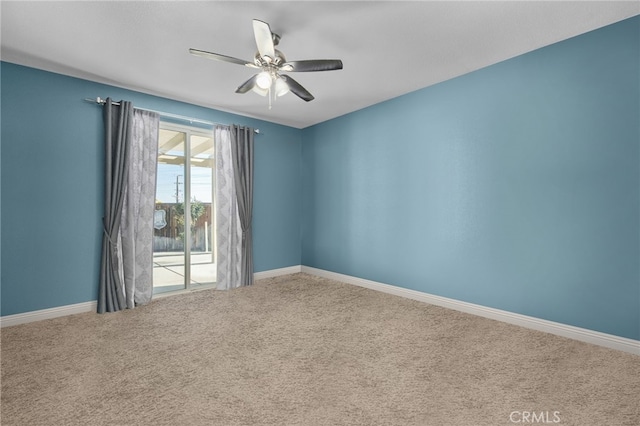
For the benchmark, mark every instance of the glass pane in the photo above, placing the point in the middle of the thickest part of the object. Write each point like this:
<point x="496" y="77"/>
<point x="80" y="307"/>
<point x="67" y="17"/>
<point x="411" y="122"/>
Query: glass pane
<point x="168" y="239"/>
<point x="203" y="256"/>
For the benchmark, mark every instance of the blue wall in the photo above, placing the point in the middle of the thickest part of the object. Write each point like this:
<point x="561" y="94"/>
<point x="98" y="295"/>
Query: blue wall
<point x="514" y="187"/>
<point x="52" y="186"/>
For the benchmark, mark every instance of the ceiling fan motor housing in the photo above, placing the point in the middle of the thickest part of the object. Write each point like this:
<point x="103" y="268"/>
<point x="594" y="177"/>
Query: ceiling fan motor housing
<point x="262" y="62"/>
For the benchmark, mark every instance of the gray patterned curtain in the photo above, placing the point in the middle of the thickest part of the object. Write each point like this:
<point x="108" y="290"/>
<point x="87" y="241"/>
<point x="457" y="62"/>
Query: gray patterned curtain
<point x="131" y="146"/>
<point x="234" y="194"/>
<point x="138" y="209"/>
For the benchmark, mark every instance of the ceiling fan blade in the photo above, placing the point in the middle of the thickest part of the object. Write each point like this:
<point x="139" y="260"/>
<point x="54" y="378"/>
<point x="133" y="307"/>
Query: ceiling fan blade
<point x="297" y="89"/>
<point x="220" y="57"/>
<point x="264" y="39"/>
<point x="247" y="85"/>
<point x="312" y="65"/>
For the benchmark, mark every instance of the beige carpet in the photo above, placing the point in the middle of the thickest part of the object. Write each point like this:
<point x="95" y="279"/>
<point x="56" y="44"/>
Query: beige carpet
<point x="301" y="350"/>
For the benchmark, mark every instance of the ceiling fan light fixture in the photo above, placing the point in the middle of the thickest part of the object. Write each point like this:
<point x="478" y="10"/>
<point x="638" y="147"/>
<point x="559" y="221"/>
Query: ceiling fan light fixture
<point x="260" y="91"/>
<point x="264" y="80"/>
<point x="282" y="88"/>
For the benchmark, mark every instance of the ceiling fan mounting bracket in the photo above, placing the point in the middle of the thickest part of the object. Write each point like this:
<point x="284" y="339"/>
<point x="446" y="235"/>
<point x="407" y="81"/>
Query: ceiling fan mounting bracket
<point x="276" y="38"/>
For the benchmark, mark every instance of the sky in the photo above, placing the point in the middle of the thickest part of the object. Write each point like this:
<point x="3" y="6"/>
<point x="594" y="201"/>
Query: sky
<point x="166" y="183"/>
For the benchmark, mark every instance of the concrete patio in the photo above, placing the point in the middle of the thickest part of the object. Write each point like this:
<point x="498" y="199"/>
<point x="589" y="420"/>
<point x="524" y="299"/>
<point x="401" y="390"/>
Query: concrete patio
<point x="169" y="271"/>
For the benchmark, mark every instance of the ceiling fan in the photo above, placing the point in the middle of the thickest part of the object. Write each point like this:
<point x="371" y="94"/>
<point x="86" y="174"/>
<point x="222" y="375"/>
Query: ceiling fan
<point x="270" y="80"/>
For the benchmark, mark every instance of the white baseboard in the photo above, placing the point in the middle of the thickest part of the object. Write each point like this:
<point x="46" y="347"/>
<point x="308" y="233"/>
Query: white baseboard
<point x="277" y="272"/>
<point x="43" y="314"/>
<point x="92" y="306"/>
<point x="576" y="333"/>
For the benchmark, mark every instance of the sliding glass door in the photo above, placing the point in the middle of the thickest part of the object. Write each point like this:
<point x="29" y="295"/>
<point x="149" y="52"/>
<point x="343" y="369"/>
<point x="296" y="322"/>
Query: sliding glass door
<point x="184" y="227"/>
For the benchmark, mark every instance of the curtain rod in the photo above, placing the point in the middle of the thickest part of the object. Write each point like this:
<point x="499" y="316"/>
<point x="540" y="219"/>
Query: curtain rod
<point x="101" y="101"/>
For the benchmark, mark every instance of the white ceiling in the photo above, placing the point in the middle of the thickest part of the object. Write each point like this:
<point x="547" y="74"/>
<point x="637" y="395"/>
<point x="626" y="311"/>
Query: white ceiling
<point x="388" y="48"/>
